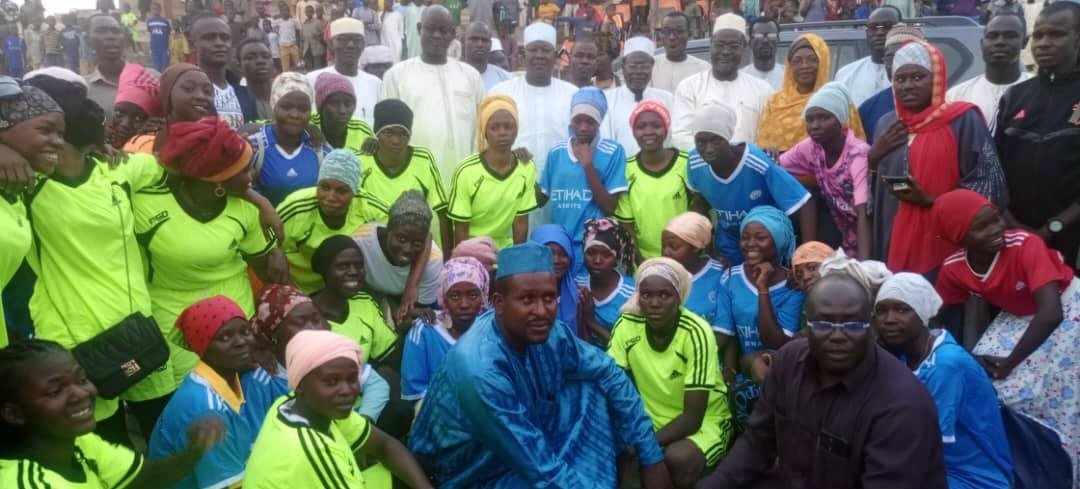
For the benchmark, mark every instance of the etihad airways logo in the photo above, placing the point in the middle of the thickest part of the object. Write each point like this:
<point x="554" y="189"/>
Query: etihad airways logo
<point x="578" y="194"/>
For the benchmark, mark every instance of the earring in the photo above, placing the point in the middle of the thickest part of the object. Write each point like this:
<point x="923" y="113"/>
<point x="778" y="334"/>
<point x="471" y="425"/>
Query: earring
<point x="219" y="191"/>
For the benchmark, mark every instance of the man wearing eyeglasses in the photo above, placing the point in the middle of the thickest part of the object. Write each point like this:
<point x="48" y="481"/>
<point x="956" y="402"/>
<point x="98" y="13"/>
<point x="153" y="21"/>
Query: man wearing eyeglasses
<point x="836" y="410"/>
<point x="764" y="33"/>
<point x="867" y="76"/>
<point x="675" y="65"/>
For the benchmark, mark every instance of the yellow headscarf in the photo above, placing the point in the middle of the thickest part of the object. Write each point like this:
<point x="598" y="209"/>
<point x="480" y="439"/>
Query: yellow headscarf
<point x="782" y="124"/>
<point x="488" y="107"/>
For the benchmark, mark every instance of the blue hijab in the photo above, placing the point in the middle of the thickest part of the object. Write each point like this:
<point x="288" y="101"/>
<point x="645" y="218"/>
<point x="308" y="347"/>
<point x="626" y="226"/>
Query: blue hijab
<point x="568" y="290"/>
<point x="779" y="226"/>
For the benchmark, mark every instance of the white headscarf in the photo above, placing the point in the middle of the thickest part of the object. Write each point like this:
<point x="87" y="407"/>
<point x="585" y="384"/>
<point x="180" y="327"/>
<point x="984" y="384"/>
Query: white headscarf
<point x="717" y="119"/>
<point x="288" y="82"/>
<point x="915" y="291"/>
<point x="670" y="270"/>
<point x="869" y="273"/>
<point x="832" y="97"/>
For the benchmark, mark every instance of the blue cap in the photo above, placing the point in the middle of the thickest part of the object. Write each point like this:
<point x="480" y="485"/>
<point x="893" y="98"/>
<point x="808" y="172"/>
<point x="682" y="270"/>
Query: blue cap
<point x="524" y="258"/>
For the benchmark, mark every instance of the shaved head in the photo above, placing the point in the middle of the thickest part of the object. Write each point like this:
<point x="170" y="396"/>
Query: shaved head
<point x="478" y="28"/>
<point x="837" y="290"/>
<point x="434" y="12"/>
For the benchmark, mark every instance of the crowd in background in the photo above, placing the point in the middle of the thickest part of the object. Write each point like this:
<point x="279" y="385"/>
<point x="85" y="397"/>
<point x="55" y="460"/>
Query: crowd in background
<point x="503" y="245"/>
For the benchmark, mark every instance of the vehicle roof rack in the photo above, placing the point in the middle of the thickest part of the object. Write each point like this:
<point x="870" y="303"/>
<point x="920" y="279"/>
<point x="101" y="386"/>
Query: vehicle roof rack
<point x="941" y="21"/>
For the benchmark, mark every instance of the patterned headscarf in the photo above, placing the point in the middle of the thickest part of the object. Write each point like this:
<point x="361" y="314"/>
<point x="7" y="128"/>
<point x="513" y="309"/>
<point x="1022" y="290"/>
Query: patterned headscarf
<point x="202" y="320"/>
<point x="410" y="209"/>
<point x="655" y="106"/>
<point x="289" y="82"/>
<point x="341" y="165"/>
<point x="608" y="233"/>
<point x="273" y="304"/>
<point x="779" y="226"/>
<point x="670" y="270"/>
<point x="28" y="103"/>
<point x="464" y="269"/>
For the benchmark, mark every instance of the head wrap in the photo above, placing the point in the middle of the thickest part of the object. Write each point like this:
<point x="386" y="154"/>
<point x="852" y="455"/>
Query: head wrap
<point x="496" y="44"/>
<point x="168" y="82"/>
<point x="341" y="165"/>
<point x="639" y="44"/>
<point x="730" y="21"/>
<point x="392" y="112"/>
<point x="273" y="304"/>
<point x="654" y="106"/>
<point x="311" y="349"/>
<point x="464" y="269"/>
<point x="29" y="103"/>
<point x="903" y="33"/>
<point x="568" y="291"/>
<point x="375" y="55"/>
<point x="779" y="226"/>
<point x="589" y="101"/>
<point x="481" y="247"/>
<point x="289" y="82"/>
<point x="207" y="150"/>
<point x="328" y="84"/>
<point x="58" y="73"/>
<point x="488" y="107"/>
<point x="410" y="209"/>
<point x="329" y="249"/>
<point x="202" y="320"/>
<point x="915" y="291"/>
<point x="141" y="87"/>
<point x="670" y="270"/>
<point x="539" y="31"/>
<point x="718" y="119"/>
<point x="811" y="252"/>
<point x="346" y="25"/>
<point x="691" y="227"/>
<point x="870" y="274"/>
<point x="84" y="119"/>
<point x="913" y="53"/>
<point x="954" y="211"/>
<point x="607" y="232"/>
<point x="832" y="97"/>
<point x="528" y="257"/>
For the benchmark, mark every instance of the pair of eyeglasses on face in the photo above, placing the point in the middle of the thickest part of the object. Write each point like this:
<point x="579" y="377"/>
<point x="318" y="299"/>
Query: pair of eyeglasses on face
<point x="771" y="36"/>
<point x="879" y="28"/>
<point x="847" y="327"/>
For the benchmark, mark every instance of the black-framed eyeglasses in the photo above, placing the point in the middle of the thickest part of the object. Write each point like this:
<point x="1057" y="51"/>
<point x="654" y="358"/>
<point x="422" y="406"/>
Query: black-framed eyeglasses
<point x="847" y="327"/>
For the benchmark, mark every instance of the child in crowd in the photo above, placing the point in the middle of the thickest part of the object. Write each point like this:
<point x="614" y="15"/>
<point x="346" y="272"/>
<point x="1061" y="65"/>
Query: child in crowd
<point x="609" y="252"/>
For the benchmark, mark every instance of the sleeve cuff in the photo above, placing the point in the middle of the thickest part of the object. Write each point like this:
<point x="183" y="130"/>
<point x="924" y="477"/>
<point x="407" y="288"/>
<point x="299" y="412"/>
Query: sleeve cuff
<point x="798" y="205"/>
<point x="948" y="439"/>
<point x="618" y="190"/>
<point x="789" y="334"/>
<point x="723" y="330"/>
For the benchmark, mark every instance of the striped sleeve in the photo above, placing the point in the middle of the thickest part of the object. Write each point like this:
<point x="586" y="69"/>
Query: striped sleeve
<point x="117" y="466"/>
<point x="460" y="204"/>
<point x="700" y="357"/>
<point x="432" y="179"/>
<point x="320" y="460"/>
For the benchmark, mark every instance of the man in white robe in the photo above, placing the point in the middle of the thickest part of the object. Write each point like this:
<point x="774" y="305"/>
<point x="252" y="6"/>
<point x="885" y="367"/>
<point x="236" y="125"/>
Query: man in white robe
<point x="723" y="84"/>
<point x="393" y="32"/>
<point x="675" y="65"/>
<point x="865" y="77"/>
<point x="443" y="92"/>
<point x="410" y="12"/>
<point x="1003" y="39"/>
<point x="347" y="44"/>
<point x="621" y="100"/>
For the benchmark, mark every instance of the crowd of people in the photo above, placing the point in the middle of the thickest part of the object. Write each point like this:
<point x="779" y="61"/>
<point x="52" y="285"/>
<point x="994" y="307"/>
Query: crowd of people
<point x="252" y="270"/>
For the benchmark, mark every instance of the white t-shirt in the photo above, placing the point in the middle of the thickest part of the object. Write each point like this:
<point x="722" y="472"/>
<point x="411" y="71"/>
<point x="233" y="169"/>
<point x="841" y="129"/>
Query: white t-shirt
<point x="366" y="86"/>
<point x="286" y="30"/>
<point x="228" y="106"/>
<point x="383" y="277"/>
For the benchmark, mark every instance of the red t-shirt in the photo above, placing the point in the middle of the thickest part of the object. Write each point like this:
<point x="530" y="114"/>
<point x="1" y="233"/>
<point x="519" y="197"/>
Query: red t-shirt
<point x="1022" y="266"/>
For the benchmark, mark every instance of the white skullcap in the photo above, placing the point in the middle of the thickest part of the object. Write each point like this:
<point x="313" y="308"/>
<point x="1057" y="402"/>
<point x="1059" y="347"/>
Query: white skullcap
<point x="496" y="44"/>
<point x="730" y="21"/>
<point x="346" y="25"/>
<point x="540" y="31"/>
<point x="58" y="73"/>
<point x="639" y="44"/>
<point x="913" y="53"/>
<point x="376" y="55"/>
<point x="912" y="289"/>
<point x="868" y="273"/>
<point x="718" y="119"/>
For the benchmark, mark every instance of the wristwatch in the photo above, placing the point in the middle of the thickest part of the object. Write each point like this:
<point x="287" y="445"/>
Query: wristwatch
<point x="1055" y="225"/>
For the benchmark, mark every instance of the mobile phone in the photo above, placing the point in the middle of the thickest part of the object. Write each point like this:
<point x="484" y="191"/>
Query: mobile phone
<point x="898" y="183"/>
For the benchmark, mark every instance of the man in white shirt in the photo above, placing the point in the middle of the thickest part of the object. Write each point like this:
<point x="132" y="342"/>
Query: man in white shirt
<point x="443" y="92"/>
<point x="637" y="73"/>
<point x="764" y="33"/>
<point x="867" y="76"/>
<point x="723" y="84"/>
<point x="1003" y="39"/>
<point x="288" y="31"/>
<point x="477" y="48"/>
<point x="347" y="43"/>
<point x="411" y="12"/>
<point x="675" y="65"/>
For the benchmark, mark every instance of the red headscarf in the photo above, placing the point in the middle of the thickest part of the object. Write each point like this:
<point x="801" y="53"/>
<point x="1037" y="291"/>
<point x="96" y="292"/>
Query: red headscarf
<point x="653" y="106"/>
<point x="202" y="320"/>
<point x="933" y="163"/>
<point x="206" y="150"/>
<point x="954" y="211"/>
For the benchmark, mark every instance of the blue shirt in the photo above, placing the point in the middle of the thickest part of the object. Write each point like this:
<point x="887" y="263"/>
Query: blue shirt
<point x="756" y="180"/>
<point x="873" y="109"/>
<point x="69" y="39"/>
<point x="606" y="310"/>
<point x="570" y="200"/>
<point x="159" y="33"/>
<point x="705" y="291"/>
<point x="425" y="348"/>
<point x="737" y="309"/>
<point x="976" y="450"/>
<point x="203" y="392"/>
<point x="497" y="417"/>
<point x="281" y="174"/>
<point x="14" y="47"/>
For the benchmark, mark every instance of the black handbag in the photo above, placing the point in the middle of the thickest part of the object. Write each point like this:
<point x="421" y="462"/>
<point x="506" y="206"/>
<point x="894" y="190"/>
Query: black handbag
<point x="123" y="355"/>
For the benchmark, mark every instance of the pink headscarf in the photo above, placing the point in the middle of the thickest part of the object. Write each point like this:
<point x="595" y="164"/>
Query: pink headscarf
<point x="330" y="83"/>
<point x="311" y="349"/>
<point x="653" y="106"/>
<point x="464" y="269"/>
<point x="481" y="247"/>
<point x="140" y="86"/>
